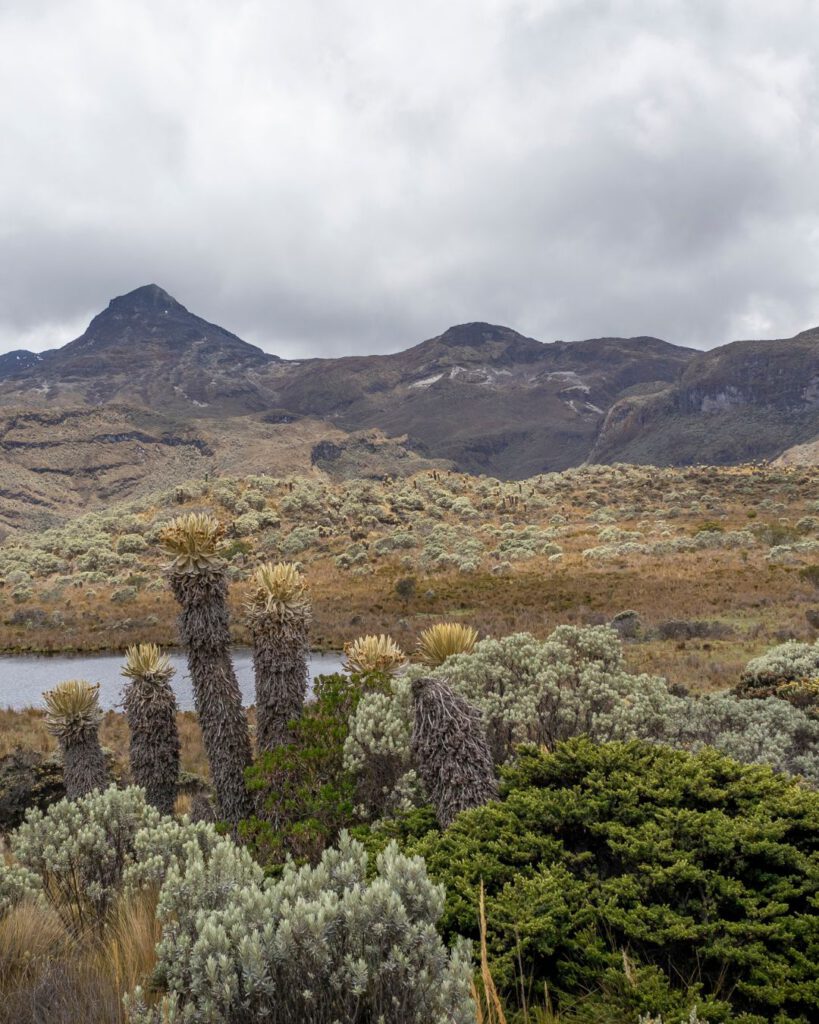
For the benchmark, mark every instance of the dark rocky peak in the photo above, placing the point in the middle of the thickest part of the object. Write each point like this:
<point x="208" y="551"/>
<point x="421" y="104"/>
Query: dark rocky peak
<point x="18" y="362"/>
<point x="150" y="318"/>
<point x="478" y="334"/>
<point x="145" y="333"/>
<point x="150" y="298"/>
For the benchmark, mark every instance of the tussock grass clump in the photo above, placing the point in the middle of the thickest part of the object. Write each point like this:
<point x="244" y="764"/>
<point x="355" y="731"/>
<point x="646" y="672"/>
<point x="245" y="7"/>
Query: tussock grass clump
<point x="50" y="974"/>
<point x="373" y="654"/>
<point x="441" y="641"/>
<point x="73" y="715"/>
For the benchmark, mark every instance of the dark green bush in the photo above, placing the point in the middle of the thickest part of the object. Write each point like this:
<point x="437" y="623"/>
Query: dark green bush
<point x="775" y="533"/>
<point x="810" y="574"/>
<point x="304" y="798"/>
<point x="640" y="879"/>
<point x="709" y="526"/>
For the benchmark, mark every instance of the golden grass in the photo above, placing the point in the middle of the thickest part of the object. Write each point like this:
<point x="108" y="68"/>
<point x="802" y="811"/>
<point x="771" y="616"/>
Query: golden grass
<point x="46" y="974"/>
<point x="759" y="601"/>
<point x="27" y="730"/>
<point x="487" y="1001"/>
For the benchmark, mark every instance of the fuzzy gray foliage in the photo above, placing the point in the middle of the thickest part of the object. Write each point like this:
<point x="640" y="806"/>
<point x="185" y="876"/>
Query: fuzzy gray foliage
<point x="84" y="765"/>
<point x="320" y="945"/>
<point x="81" y="856"/>
<point x="280" y="661"/>
<point x="449" y="750"/>
<point x="204" y="627"/>
<point x="150" y="707"/>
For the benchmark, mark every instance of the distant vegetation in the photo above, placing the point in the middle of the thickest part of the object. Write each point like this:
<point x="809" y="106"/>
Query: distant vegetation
<point x="392" y="556"/>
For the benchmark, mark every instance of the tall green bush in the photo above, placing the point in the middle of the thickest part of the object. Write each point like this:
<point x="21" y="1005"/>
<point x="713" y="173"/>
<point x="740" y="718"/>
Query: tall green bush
<point x="702" y="872"/>
<point x="304" y="795"/>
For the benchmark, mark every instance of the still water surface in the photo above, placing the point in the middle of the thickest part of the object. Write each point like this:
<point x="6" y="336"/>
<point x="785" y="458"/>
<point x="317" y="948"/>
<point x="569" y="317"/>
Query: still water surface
<point x="24" y="677"/>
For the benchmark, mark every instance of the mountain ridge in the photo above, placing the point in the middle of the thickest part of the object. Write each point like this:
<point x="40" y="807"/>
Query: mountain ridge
<point x="479" y="397"/>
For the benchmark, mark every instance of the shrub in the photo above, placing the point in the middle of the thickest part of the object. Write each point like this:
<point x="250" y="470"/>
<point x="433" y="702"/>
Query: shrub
<point x="571" y="684"/>
<point x="782" y="664"/>
<point x="377" y="748"/>
<point x="628" y="624"/>
<point x="810" y="574"/>
<point x="304" y="794"/>
<point x="81" y="855"/>
<point x="131" y="543"/>
<point x="320" y="944"/>
<point x="789" y="672"/>
<point x="702" y="870"/>
<point x="299" y="539"/>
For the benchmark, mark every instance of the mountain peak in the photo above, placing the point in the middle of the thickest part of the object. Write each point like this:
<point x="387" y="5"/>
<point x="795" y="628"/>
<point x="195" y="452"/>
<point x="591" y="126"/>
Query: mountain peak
<point x="476" y="334"/>
<point x="148" y="298"/>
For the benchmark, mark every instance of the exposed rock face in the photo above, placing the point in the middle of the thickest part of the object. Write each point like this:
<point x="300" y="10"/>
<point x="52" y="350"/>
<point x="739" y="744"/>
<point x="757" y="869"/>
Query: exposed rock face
<point x="801" y="455"/>
<point x="743" y="401"/>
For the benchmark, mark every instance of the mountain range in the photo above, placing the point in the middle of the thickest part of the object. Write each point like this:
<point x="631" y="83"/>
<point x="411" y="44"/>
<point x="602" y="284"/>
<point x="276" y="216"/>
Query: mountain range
<point x="151" y="394"/>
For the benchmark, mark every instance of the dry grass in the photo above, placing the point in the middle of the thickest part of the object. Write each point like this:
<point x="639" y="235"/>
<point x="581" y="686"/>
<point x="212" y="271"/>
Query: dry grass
<point x="487" y="1001"/>
<point x="27" y="730"/>
<point x="48" y="976"/>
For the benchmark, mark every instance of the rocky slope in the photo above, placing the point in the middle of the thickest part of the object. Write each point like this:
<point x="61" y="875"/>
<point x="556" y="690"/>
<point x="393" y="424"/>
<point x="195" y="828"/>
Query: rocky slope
<point x="485" y="397"/>
<point x="58" y="462"/>
<point x="744" y="401"/>
<point x="151" y="394"/>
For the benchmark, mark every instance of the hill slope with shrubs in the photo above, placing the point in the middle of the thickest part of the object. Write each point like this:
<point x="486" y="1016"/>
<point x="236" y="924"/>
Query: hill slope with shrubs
<point x="390" y="555"/>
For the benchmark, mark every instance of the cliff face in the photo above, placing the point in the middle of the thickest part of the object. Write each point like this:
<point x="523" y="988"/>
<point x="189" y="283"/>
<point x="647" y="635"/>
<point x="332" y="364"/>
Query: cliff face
<point x="746" y="400"/>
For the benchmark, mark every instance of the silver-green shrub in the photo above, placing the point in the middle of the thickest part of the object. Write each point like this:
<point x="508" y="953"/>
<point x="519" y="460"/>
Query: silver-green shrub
<point x="319" y="945"/>
<point x="377" y="749"/>
<point x="81" y="854"/>
<point x="781" y="664"/>
<point x="17" y="884"/>
<point x="571" y="684"/>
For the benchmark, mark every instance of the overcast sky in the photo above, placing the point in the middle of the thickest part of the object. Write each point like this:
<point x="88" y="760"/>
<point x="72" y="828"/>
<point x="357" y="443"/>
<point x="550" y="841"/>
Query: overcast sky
<point x="334" y="176"/>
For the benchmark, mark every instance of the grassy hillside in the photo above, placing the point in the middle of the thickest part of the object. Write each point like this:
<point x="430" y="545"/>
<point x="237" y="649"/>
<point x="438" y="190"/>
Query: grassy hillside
<point x="709" y="558"/>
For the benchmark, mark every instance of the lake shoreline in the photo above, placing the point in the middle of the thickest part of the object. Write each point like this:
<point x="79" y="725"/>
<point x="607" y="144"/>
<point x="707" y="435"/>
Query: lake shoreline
<point x="25" y="677"/>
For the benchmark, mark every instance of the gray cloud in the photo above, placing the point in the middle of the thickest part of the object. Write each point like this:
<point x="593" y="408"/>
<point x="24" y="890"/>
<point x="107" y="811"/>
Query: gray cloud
<point x="355" y="176"/>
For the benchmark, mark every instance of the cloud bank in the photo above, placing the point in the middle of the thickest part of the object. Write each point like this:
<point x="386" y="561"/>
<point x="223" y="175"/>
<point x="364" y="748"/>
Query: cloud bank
<point x="348" y="176"/>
